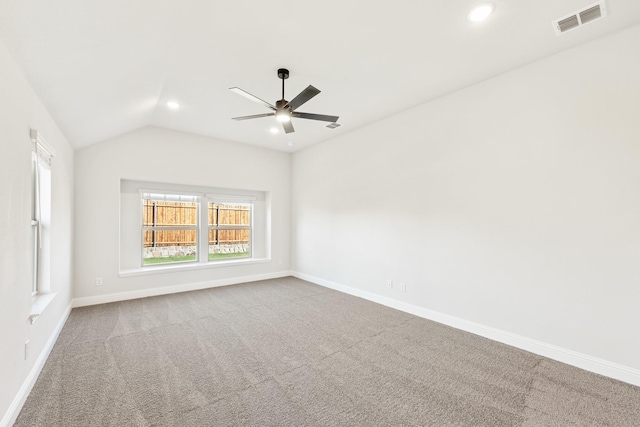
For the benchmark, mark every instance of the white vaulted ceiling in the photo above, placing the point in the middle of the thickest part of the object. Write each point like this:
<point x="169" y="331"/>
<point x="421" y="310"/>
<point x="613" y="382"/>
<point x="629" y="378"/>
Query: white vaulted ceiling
<point x="106" y="67"/>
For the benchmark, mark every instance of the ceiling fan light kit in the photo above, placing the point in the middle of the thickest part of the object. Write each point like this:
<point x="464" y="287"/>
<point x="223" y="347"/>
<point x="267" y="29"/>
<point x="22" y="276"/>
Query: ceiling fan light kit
<point x="282" y="116"/>
<point x="284" y="110"/>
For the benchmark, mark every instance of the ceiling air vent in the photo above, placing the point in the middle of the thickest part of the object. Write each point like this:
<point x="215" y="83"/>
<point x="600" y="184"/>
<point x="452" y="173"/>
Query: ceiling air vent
<point x="569" y="23"/>
<point x="579" y="18"/>
<point x="591" y="14"/>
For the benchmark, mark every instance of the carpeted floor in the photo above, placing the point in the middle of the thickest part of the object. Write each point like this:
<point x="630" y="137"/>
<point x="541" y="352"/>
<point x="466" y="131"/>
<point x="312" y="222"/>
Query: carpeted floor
<point x="285" y="352"/>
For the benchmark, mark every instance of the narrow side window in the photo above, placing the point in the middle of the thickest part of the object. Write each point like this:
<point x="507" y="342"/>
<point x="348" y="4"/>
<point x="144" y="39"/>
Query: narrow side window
<point x="41" y="215"/>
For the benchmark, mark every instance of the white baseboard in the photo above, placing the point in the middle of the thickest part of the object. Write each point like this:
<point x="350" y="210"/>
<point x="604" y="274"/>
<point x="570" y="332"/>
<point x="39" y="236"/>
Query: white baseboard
<point x="570" y="357"/>
<point x="165" y="290"/>
<point x="16" y="406"/>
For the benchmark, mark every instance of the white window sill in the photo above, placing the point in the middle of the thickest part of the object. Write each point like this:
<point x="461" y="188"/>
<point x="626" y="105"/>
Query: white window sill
<point x="180" y="267"/>
<point x="38" y="303"/>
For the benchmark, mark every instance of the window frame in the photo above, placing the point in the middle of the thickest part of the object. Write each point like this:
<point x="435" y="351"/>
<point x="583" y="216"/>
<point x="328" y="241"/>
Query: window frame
<point x="41" y="158"/>
<point x="169" y="196"/>
<point x="202" y="226"/>
<point x="42" y="185"/>
<point x="230" y="200"/>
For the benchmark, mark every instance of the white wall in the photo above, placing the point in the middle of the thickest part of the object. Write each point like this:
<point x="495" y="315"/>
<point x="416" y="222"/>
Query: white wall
<point x="20" y="110"/>
<point x="514" y="203"/>
<point x="160" y="155"/>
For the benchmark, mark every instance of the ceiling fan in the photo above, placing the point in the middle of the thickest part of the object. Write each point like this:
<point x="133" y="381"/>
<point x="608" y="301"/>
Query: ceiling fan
<point x="284" y="110"/>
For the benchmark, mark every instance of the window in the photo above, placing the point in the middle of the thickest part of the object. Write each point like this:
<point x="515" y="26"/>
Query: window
<point x="172" y="228"/>
<point x="229" y="230"/>
<point x="169" y="228"/>
<point x="40" y="213"/>
<point x="164" y="227"/>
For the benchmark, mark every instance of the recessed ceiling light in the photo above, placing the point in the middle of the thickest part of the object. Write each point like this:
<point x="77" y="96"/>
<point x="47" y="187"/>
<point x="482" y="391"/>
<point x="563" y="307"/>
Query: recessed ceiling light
<point x="173" y="105"/>
<point x="274" y="130"/>
<point x="481" y="12"/>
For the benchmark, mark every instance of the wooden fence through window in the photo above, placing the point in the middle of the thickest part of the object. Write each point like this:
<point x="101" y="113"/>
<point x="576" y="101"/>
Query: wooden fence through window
<point x="166" y="216"/>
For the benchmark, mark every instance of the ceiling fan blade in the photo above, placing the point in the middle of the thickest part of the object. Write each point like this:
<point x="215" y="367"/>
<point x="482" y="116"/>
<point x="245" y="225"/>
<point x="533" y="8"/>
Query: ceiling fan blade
<point x="251" y="97"/>
<point x="311" y="116"/>
<point x="303" y="97"/>
<point x="255" y="116"/>
<point x="288" y="127"/>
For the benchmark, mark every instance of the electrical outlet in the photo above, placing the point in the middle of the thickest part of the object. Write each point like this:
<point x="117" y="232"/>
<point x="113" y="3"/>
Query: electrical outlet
<point x="98" y="281"/>
<point x="390" y="284"/>
<point x="26" y="349"/>
<point x="403" y="287"/>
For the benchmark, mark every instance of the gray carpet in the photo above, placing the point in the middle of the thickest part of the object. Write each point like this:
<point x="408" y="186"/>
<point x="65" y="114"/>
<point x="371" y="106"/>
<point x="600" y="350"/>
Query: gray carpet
<point x="285" y="352"/>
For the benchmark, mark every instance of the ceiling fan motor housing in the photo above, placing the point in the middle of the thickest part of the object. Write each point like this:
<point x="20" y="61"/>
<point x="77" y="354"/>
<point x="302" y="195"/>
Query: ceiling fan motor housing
<point x="282" y="104"/>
